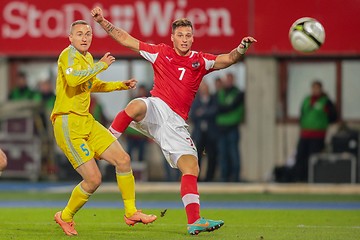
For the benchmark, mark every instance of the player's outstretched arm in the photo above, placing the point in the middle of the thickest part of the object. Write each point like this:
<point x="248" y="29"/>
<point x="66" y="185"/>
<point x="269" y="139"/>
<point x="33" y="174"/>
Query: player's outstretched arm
<point x="104" y="86"/>
<point x="131" y="83"/>
<point x="118" y="34"/>
<point x="228" y="59"/>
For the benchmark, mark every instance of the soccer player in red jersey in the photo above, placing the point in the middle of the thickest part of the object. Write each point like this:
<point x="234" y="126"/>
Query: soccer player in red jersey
<point x="178" y="72"/>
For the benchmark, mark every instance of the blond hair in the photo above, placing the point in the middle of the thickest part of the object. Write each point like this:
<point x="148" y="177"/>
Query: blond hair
<point x="79" y="22"/>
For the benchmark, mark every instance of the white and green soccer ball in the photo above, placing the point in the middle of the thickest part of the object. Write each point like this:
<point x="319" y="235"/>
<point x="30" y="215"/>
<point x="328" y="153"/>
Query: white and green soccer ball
<point x="307" y="35"/>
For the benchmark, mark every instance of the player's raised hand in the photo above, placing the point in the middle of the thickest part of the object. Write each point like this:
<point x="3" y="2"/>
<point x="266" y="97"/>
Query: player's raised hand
<point x="245" y="44"/>
<point x="131" y="83"/>
<point x="108" y="59"/>
<point x="97" y="14"/>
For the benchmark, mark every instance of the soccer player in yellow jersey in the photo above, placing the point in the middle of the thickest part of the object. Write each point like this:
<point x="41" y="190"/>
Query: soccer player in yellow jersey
<point x="83" y="139"/>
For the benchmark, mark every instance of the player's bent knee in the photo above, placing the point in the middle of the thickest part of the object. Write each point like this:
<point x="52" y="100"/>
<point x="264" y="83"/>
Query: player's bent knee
<point x="123" y="159"/>
<point x="188" y="165"/>
<point x="94" y="182"/>
<point x="118" y="157"/>
<point x="136" y="109"/>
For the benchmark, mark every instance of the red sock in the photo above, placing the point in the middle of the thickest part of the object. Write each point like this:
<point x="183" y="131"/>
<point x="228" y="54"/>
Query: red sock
<point x="190" y="197"/>
<point x="120" y="123"/>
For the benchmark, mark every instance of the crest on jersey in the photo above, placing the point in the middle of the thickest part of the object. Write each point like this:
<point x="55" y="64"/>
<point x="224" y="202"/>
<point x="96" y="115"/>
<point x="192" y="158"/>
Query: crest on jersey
<point x="195" y="64"/>
<point x="69" y="70"/>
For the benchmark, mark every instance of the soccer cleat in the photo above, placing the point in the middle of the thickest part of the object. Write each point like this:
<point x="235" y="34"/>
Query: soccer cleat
<point x="139" y="217"/>
<point x="204" y="225"/>
<point x="67" y="227"/>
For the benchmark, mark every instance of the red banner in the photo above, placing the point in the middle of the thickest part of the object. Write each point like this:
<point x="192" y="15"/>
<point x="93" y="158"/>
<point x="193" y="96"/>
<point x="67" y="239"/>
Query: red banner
<point x="40" y="28"/>
<point x="341" y="20"/>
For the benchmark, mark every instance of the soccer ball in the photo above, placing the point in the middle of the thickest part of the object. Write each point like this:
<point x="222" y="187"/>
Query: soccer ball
<point x="307" y="35"/>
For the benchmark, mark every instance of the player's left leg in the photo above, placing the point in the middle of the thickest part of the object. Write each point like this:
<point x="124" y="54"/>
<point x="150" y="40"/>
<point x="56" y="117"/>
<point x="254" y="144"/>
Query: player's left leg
<point x="117" y="156"/>
<point x="188" y="165"/>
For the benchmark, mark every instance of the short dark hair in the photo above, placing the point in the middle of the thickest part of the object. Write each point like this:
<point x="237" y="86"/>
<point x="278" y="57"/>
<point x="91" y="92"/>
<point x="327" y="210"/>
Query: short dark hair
<point x="78" y="22"/>
<point x="317" y="83"/>
<point x="182" y="22"/>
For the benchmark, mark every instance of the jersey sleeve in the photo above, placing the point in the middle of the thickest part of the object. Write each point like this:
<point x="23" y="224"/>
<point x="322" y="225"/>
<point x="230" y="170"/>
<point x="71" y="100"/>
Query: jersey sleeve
<point x="149" y="51"/>
<point x="209" y="60"/>
<point x="103" y="86"/>
<point x="75" y="74"/>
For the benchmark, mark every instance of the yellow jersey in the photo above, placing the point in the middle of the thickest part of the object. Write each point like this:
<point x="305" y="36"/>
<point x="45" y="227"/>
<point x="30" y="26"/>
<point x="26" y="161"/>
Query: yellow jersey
<point x="75" y="81"/>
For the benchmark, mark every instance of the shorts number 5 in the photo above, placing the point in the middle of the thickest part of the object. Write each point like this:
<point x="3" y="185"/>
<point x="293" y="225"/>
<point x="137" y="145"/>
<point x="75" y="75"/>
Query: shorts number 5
<point x="85" y="150"/>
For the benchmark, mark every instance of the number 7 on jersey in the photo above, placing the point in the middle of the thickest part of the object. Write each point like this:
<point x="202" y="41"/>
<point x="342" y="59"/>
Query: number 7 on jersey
<point x="182" y="73"/>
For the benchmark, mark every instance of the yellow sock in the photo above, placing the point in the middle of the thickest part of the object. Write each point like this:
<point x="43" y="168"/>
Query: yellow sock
<point x="77" y="199"/>
<point x="126" y="184"/>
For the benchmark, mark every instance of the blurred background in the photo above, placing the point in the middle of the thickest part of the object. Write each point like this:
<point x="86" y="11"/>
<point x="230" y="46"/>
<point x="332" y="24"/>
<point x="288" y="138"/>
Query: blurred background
<point x="272" y="83"/>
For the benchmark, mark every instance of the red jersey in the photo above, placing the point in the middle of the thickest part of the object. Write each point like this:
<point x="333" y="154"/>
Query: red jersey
<point x="176" y="78"/>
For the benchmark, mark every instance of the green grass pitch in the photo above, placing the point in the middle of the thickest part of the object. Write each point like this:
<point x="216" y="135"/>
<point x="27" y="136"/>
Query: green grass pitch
<point x="239" y="224"/>
<point x="247" y="224"/>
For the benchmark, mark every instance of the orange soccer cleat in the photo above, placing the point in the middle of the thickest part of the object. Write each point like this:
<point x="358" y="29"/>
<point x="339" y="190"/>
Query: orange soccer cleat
<point x="67" y="227"/>
<point x="139" y="217"/>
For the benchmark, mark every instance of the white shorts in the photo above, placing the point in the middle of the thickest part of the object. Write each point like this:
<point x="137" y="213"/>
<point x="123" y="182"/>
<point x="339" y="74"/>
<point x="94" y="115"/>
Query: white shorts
<point x="167" y="128"/>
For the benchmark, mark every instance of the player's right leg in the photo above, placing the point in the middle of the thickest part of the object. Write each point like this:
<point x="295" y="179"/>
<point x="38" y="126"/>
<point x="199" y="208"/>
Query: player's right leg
<point x="70" y="132"/>
<point x="79" y="196"/>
